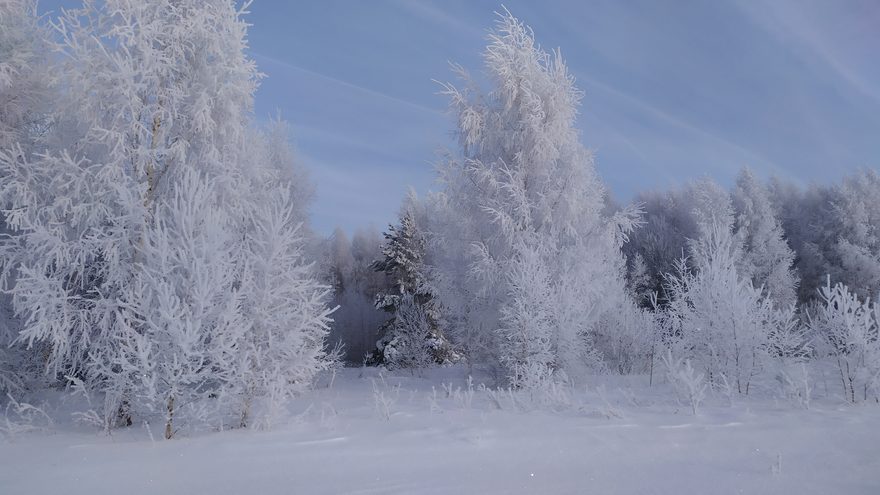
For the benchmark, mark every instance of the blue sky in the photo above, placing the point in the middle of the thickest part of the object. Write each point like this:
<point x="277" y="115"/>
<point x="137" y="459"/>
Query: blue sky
<point x="673" y="90"/>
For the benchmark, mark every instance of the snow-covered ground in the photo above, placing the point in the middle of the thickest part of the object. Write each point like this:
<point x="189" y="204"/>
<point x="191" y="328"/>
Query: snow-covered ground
<point x="398" y="433"/>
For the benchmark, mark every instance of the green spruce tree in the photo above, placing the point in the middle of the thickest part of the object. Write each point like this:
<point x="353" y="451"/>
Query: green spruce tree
<point x="412" y="336"/>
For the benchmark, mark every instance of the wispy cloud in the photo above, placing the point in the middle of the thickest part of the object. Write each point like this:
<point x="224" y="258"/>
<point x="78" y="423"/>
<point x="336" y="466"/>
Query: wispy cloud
<point x="792" y="22"/>
<point x="265" y="59"/>
<point x="751" y="157"/>
<point x="427" y="10"/>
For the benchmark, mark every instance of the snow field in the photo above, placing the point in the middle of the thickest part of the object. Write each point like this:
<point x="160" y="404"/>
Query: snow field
<point x="379" y="432"/>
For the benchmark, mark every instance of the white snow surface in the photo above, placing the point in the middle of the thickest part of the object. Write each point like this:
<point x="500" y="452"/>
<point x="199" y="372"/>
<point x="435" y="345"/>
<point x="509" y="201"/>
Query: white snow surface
<point x="616" y="435"/>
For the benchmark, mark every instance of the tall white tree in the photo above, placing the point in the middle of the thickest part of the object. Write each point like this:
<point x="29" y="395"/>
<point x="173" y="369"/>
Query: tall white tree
<point x="709" y="206"/>
<point x="182" y="322"/>
<point x="858" y="245"/>
<point x="284" y="307"/>
<point x="766" y="257"/>
<point x="153" y="207"/>
<point x="520" y="223"/>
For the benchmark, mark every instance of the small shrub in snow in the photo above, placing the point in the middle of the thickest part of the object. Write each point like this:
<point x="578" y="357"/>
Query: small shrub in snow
<point x="795" y="383"/>
<point x="689" y="385"/>
<point x="329" y="416"/>
<point x="538" y="386"/>
<point x="606" y="408"/>
<point x="384" y="399"/>
<point x="21" y="417"/>
<point x="433" y="402"/>
<point x="776" y="468"/>
<point x="90" y="416"/>
<point x="464" y="398"/>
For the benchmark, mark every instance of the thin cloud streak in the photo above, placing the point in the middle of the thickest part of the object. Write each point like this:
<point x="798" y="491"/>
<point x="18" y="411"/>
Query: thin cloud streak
<point x="361" y="89"/>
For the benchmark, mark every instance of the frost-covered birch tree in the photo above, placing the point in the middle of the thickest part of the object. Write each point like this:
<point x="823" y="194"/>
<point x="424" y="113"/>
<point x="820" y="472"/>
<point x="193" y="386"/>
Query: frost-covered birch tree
<point x="529" y="258"/>
<point x="149" y="215"/>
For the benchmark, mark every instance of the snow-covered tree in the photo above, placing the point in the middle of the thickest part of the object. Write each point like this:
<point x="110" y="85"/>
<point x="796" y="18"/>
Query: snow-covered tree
<point x="519" y="222"/>
<point x="151" y="209"/>
<point x="803" y="215"/>
<point x="725" y="323"/>
<point x="833" y="230"/>
<point x="181" y="320"/>
<point x="849" y="328"/>
<point x="639" y="281"/>
<point x="673" y="219"/>
<point x="710" y="205"/>
<point x="652" y="249"/>
<point x="766" y="257"/>
<point x="284" y="307"/>
<point x="25" y="75"/>
<point x="339" y="262"/>
<point x="26" y="98"/>
<point x="858" y="247"/>
<point x="284" y="303"/>
<point x="280" y="165"/>
<point x="412" y="336"/>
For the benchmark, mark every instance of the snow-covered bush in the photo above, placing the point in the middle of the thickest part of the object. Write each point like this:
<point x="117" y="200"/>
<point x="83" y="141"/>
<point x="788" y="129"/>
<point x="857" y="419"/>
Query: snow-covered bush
<point x="626" y="338"/>
<point x="848" y="329"/>
<point x="689" y="385"/>
<point x="722" y="319"/>
<point x="538" y="386"/>
<point x="21" y="417"/>
<point x="384" y="397"/>
<point x="794" y="379"/>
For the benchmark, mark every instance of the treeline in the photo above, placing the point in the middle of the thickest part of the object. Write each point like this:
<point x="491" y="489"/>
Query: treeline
<point x="522" y="264"/>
